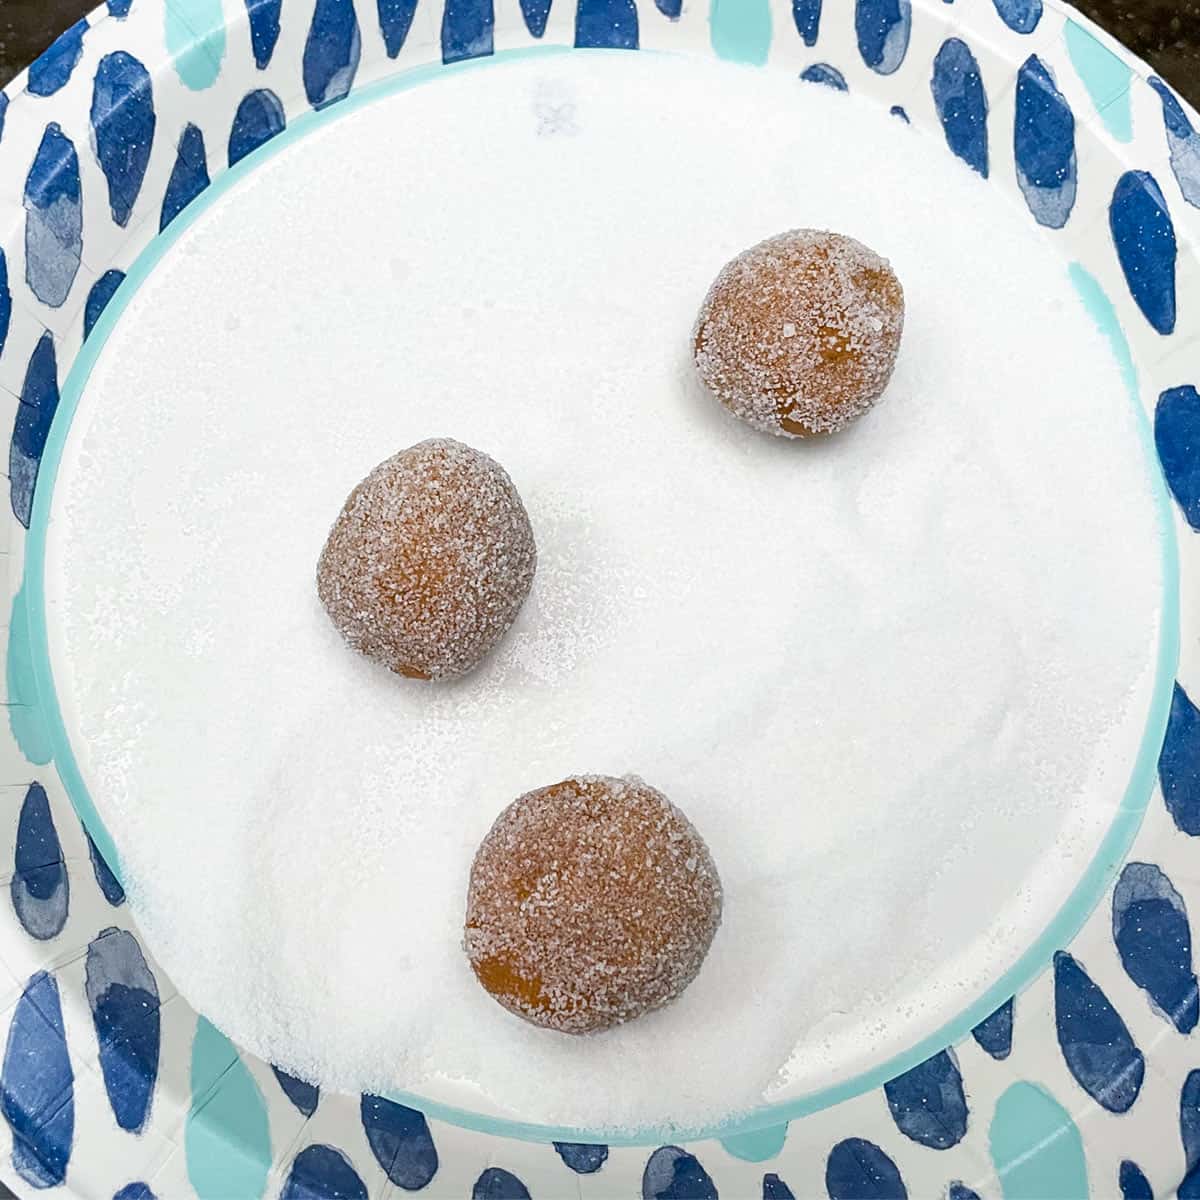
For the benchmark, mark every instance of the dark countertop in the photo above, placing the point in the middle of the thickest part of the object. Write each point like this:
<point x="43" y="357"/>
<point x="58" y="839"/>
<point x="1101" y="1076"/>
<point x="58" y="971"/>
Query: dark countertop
<point x="1166" y="33"/>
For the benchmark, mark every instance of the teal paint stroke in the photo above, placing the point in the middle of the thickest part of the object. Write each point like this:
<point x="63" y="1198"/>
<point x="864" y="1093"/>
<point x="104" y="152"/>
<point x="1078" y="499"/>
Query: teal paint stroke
<point x="1100" y="309"/>
<point x="757" y="1146"/>
<point x="741" y="30"/>
<point x="1061" y="929"/>
<point x="1036" y="1148"/>
<point x="227" y="1137"/>
<point x="1106" y="76"/>
<point x="25" y="719"/>
<point x="195" y="40"/>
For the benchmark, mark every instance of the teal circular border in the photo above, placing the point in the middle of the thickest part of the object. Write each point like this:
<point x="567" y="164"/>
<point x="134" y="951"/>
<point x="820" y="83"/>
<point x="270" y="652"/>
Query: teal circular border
<point x="31" y="604"/>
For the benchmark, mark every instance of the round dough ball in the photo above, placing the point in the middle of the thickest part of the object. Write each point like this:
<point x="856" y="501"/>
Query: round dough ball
<point x="429" y="561"/>
<point x="591" y="902"/>
<point x="799" y="334"/>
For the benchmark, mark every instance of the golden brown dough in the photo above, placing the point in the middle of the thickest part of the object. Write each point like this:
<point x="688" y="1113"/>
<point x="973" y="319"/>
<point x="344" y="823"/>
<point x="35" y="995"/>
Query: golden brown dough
<point x="591" y="902"/>
<point x="799" y="334"/>
<point x="429" y="561"/>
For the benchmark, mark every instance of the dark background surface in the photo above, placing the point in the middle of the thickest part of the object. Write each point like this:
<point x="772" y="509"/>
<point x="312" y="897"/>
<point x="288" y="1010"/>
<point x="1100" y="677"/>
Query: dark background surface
<point x="1166" y="33"/>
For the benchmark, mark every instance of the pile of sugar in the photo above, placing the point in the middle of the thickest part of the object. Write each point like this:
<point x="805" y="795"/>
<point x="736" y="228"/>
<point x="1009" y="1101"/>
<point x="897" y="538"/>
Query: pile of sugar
<point x="896" y="678"/>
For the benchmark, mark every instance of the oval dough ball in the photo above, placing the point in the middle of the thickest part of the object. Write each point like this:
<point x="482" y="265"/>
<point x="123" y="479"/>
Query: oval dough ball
<point x="591" y="902"/>
<point x="429" y="561"/>
<point x="799" y="334"/>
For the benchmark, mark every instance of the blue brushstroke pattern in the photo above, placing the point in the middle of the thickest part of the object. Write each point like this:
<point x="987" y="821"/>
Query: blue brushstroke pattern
<point x="53" y="69"/>
<point x="961" y="103"/>
<point x="195" y="40"/>
<point x="1153" y="937"/>
<point x="671" y="1173"/>
<point x="807" y="15"/>
<point x="1035" y="1147"/>
<point x="1189" y="1133"/>
<point x="123" y="122"/>
<point x="39" y="401"/>
<point x="135" y="1191"/>
<point x="928" y="1103"/>
<point x="1105" y="75"/>
<point x="110" y="887"/>
<point x="960" y="1191"/>
<point x="897" y="110"/>
<point x="669" y="8"/>
<point x="467" y="29"/>
<point x="1097" y="1046"/>
<point x="332" y="53"/>
<point x="399" y="1138"/>
<point x="740" y="30"/>
<point x="825" y="74"/>
<point x="123" y="996"/>
<point x="395" y="20"/>
<point x="102" y="292"/>
<point x="582" y="1158"/>
<point x="1145" y="240"/>
<point x="119" y="8"/>
<point x="758" y="1145"/>
<point x="189" y="176"/>
<point x="1179" y="759"/>
<point x="882" y="28"/>
<point x="1177" y="440"/>
<point x="323" y="1173"/>
<point x="1133" y="1184"/>
<point x="3" y="111"/>
<point x="1021" y="16"/>
<point x="498" y="1184"/>
<point x="227" y="1131"/>
<point x="40" y="888"/>
<point x="37" y="1092"/>
<point x="606" y="24"/>
<point x="858" y="1170"/>
<point x="994" y="1033"/>
<point x="25" y="718"/>
<point x="1044" y="145"/>
<point x="1183" y="142"/>
<point x="53" y="218"/>
<point x="1174" y="117"/>
<point x="5" y="300"/>
<point x="264" y="29"/>
<point x="537" y="13"/>
<point x="259" y="118"/>
<point x="305" y="1096"/>
<point x="775" y="1189"/>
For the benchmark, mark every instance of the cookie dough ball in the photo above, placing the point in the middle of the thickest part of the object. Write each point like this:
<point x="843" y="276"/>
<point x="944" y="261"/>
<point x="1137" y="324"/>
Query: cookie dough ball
<point x="799" y="334"/>
<point x="591" y="902"/>
<point x="429" y="561"/>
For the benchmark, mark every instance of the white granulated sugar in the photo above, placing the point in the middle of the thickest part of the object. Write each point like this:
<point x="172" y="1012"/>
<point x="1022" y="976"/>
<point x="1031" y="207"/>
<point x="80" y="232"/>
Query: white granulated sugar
<point x="896" y="678"/>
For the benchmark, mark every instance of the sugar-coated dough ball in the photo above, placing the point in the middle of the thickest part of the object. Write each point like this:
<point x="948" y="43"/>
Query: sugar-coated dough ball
<point x="799" y="334"/>
<point x="429" y="561"/>
<point x="591" y="902"/>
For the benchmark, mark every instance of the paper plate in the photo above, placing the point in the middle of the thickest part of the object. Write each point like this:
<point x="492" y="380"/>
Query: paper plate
<point x="111" y="1085"/>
